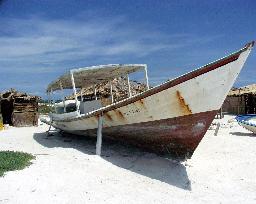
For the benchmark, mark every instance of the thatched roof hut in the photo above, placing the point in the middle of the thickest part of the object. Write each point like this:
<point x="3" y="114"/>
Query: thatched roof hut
<point x="19" y="109"/>
<point x="241" y="100"/>
<point x="249" y="89"/>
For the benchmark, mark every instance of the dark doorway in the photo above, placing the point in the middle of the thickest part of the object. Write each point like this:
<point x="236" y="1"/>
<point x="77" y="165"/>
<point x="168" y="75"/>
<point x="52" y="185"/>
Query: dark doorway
<point x="7" y="109"/>
<point x="250" y="104"/>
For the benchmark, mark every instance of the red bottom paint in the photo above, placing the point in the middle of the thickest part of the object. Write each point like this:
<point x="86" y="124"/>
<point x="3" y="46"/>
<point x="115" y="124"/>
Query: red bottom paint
<point x="175" y="137"/>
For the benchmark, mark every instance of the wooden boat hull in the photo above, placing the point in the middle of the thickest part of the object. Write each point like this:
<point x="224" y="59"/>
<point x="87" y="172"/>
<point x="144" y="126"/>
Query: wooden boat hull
<point x="170" y="119"/>
<point x="176" y="137"/>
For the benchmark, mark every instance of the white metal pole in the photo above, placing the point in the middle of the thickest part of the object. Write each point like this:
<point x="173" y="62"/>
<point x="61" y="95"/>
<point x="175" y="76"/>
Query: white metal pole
<point x="49" y="100"/>
<point x="95" y="92"/>
<point x="111" y="92"/>
<point x="99" y="136"/>
<point x="50" y="96"/>
<point x="74" y="89"/>
<point x="129" y="86"/>
<point x="146" y="76"/>
<point x="81" y="94"/>
<point x="63" y="97"/>
<point x="53" y="101"/>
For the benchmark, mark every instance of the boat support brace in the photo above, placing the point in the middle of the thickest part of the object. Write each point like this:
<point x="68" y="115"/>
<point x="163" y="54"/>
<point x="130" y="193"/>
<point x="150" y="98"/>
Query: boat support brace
<point x="48" y="131"/>
<point x="99" y="135"/>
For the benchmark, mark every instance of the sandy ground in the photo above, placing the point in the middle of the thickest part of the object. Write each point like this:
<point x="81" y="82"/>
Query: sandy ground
<point x="66" y="170"/>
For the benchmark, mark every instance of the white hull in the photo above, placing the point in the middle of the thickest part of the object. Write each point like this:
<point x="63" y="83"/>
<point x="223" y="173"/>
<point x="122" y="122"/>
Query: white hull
<point x="200" y="94"/>
<point x="172" y="117"/>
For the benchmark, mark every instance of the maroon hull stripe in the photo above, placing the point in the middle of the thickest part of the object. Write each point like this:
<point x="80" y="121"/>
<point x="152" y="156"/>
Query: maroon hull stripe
<point x="177" y="137"/>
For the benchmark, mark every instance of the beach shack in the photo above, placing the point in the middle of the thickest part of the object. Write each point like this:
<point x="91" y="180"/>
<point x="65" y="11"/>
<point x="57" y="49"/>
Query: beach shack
<point x="241" y="100"/>
<point x="19" y="109"/>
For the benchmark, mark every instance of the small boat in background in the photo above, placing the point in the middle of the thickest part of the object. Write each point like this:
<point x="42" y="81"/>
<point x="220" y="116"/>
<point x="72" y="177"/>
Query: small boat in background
<point x="169" y="119"/>
<point x="247" y="121"/>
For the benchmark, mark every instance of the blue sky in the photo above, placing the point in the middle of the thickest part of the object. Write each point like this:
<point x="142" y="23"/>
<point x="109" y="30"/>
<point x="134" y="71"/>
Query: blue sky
<point x="39" y="40"/>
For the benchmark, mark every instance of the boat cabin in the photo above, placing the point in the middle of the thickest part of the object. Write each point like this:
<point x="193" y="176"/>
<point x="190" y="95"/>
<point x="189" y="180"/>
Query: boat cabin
<point x="89" y="77"/>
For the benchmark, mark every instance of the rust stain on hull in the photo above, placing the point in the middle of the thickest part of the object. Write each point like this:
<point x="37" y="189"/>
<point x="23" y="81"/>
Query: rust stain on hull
<point x="108" y="117"/>
<point x="119" y="114"/>
<point x="140" y="104"/>
<point x="185" y="107"/>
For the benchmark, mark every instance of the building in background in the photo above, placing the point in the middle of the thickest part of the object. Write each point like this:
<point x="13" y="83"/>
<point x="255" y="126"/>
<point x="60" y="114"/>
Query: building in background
<point x="19" y="109"/>
<point x="241" y="100"/>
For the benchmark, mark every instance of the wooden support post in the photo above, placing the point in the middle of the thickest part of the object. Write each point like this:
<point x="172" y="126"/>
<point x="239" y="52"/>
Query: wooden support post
<point x="146" y="76"/>
<point x="129" y="86"/>
<point x="99" y="135"/>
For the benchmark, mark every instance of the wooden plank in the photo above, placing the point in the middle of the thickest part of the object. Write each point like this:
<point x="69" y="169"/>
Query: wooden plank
<point x="25" y="119"/>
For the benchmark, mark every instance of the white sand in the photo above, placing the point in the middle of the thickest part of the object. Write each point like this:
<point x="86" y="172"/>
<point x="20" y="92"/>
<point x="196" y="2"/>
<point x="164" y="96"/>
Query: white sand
<point x="222" y="170"/>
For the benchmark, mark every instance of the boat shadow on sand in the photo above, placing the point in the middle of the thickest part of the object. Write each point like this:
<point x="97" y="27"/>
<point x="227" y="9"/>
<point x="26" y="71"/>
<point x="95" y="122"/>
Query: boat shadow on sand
<point x="124" y="156"/>
<point x="243" y="134"/>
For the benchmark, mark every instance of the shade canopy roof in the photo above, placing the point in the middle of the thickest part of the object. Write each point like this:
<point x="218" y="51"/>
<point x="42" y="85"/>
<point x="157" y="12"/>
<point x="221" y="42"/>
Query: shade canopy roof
<point x="89" y="76"/>
<point x="249" y="89"/>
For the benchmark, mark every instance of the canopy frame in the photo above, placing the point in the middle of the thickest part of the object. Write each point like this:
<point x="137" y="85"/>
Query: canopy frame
<point x="91" y="76"/>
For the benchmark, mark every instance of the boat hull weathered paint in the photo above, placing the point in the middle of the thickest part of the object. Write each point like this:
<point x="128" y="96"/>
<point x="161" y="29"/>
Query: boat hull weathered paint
<point x="177" y="137"/>
<point x="170" y="119"/>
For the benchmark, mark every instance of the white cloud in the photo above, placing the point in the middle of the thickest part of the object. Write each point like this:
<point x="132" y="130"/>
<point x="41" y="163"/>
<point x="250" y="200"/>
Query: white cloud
<point x="38" y="46"/>
<point x="35" y="42"/>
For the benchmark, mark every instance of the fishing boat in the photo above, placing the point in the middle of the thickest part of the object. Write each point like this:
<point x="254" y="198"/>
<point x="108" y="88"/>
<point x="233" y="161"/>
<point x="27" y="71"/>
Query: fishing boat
<point x="169" y="119"/>
<point x="247" y="121"/>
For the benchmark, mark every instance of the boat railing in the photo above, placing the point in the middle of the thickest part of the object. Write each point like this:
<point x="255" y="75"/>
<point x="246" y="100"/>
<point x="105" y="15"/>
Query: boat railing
<point x="63" y="116"/>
